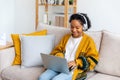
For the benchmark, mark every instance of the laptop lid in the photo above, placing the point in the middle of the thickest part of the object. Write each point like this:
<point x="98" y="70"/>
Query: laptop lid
<point x="55" y="63"/>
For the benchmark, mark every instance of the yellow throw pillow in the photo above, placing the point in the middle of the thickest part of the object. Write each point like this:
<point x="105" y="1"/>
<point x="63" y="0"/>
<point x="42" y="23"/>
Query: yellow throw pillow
<point x="17" y="44"/>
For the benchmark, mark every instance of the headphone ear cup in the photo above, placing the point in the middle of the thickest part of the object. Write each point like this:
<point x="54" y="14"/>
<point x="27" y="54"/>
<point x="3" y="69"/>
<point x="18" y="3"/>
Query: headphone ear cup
<point x="84" y="27"/>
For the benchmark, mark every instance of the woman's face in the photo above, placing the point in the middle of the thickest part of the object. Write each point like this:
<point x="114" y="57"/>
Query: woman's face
<point x="76" y="28"/>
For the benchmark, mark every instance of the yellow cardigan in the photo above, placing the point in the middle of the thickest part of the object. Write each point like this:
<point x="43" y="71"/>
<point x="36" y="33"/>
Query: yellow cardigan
<point x="86" y="55"/>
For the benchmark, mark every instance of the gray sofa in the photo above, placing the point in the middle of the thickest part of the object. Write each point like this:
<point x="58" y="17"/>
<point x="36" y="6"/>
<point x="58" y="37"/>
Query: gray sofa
<point x="108" y="68"/>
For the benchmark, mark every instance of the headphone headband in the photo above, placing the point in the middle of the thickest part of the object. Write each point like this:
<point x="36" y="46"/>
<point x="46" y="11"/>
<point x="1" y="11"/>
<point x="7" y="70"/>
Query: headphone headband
<point x="85" y="24"/>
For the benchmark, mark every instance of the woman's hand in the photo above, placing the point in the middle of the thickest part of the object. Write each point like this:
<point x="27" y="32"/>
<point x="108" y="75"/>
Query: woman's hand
<point x="72" y="64"/>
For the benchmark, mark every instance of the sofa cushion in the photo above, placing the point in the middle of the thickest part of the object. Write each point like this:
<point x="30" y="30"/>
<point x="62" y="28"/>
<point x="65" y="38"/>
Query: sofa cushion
<point x="6" y="57"/>
<point x="109" y="61"/>
<point x="61" y="31"/>
<point x="96" y="35"/>
<point x="99" y="76"/>
<point x="32" y="46"/>
<point x="90" y="74"/>
<point x="17" y="73"/>
<point x="0" y="78"/>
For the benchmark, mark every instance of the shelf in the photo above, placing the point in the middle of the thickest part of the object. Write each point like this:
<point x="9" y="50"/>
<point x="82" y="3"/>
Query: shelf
<point x="66" y="7"/>
<point x="56" y="5"/>
<point x="8" y="45"/>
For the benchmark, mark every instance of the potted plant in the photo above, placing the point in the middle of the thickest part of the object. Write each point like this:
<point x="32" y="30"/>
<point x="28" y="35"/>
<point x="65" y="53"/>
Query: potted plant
<point x="70" y="2"/>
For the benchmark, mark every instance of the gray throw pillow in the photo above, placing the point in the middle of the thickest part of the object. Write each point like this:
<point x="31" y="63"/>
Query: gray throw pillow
<point x="32" y="46"/>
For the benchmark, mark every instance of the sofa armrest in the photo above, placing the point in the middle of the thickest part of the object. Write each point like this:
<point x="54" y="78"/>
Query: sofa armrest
<point x="6" y="57"/>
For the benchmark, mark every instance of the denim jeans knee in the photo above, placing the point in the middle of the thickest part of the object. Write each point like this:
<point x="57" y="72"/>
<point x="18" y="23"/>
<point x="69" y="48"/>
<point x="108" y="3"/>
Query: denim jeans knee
<point x="63" y="76"/>
<point x="47" y="75"/>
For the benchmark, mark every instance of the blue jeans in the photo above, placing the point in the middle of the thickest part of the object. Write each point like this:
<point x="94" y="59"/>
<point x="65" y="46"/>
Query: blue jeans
<point x="53" y="75"/>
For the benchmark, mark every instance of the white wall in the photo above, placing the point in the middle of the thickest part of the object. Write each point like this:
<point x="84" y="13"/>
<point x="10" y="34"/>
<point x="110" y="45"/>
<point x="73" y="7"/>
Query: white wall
<point x="24" y="16"/>
<point x="104" y="14"/>
<point x="7" y="16"/>
<point x="17" y="16"/>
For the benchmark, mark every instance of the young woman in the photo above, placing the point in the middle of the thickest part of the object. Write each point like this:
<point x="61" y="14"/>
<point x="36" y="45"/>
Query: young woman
<point x="79" y="50"/>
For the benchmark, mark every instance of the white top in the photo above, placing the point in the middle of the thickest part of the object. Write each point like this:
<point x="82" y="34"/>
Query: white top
<point x="71" y="48"/>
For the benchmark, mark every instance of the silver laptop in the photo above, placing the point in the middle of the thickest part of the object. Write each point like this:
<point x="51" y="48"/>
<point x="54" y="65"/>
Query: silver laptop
<point x="55" y="63"/>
